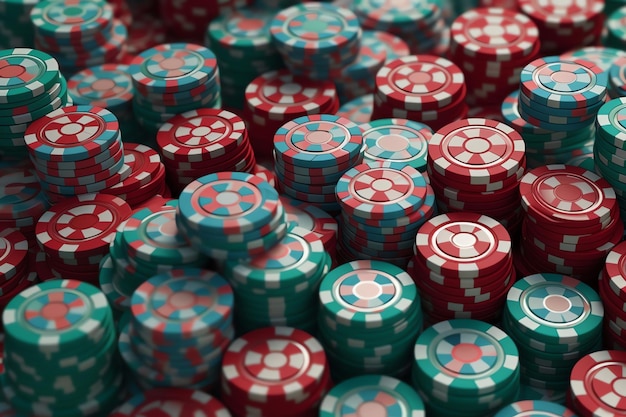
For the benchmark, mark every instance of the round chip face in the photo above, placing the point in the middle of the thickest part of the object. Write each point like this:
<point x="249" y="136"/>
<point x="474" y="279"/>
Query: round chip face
<point x="26" y="74"/>
<point x="397" y="140"/>
<point x="70" y="17"/>
<point x="243" y="28"/>
<point x="105" y="86"/>
<point x="535" y="408"/>
<point x="554" y="13"/>
<point x="398" y="12"/>
<point x="171" y="401"/>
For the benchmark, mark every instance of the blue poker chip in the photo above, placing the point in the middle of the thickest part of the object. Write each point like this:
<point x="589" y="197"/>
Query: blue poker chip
<point x="108" y="86"/>
<point x="535" y="408"/>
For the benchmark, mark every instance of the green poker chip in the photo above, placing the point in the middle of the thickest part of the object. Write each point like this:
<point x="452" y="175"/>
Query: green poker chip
<point x="26" y="74"/>
<point x="611" y="122"/>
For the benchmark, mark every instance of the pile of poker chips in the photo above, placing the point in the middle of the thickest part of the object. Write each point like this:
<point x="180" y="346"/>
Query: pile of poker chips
<point x="595" y="384"/>
<point x="491" y="46"/>
<point x="554" y="320"/>
<point x="279" y="287"/>
<point x="277" y="97"/>
<point x="311" y="153"/>
<point x="358" y="110"/>
<point x="370" y="315"/>
<point x="534" y="407"/>
<point x="173" y="78"/>
<point x="383" y="204"/>
<point x="15" y="274"/>
<point x="148" y="243"/>
<point x="616" y="33"/>
<point x="468" y="363"/>
<point x="617" y="78"/>
<point x="240" y="213"/>
<point x="76" y="150"/>
<point x="30" y="87"/>
<point x="180" y="326"/>
<point x="274" y="372"/>
<point x="201" y="142"/>
<point x="421" y="25"/>
<point x="60" y="351"/>
<point x="78" y="33"/>
<point x="171" y="401"/>
<point x="316" y="40"/>
<point x="15" y="26"/>
<point x="474" y="165"/>
<point x="371" y="392"/>
<point x="146" y="31"/>
<point x="463" y="267"/>
<point x="612" y="289"/>
<point x="564" y="26"/>
<point x="75" y="234"/>
<point x="572" y="221"/>
<point x="242" y="36"/>
<point x="424" y="88"/>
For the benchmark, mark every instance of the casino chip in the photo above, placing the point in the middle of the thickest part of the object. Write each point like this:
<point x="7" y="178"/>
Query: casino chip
<point x="273" y="369"/>
<point x="358" y="110"/>
<point x="534" y="408"/>
<point x="60" y="350"/>
<point x="15" y="265"/>
<point x="371" y="394"/>
<point x="617" y="78"/>
<point x="602" y="56"/>
<point x="369" y="317"/>
<point x="423" y="88"/>
<point x="172" y="401"/>
<point x="180" y="326"/>
<point x="469" y="363"/>
<point x="612" y="289"/>
<point x="616" y="34"/>
<point x="554" y="320"/>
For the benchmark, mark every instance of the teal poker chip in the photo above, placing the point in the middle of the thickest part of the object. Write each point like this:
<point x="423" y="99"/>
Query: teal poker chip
<point x="555" y="308"/>
<point x="26" y="74"/>
<point x="76" y="19"/>
<point x="617" y="78"/>
<point x="611" y="122"/>
<point x="358" y="110"/>
<point x="536" y="408"/>
<point x="108" y="86"/>
<point x="401" y="15"/>
<point x="244" y="33"/>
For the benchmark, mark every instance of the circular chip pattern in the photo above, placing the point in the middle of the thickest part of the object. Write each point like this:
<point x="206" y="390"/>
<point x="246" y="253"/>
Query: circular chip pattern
<point x="26" y="74"/>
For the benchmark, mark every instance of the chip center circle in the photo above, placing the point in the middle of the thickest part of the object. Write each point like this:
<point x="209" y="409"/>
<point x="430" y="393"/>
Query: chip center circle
<point x="565" y="77"/>
<point x="464" y="240"/>
<point x="567" y="192"/>
<point x="367" y="290"/>
<point x="54" y="311"/>
<point x="318" y="136"/>
<point x="182" y="300"/>
<point x="371" y="408"/>
<point x="71" y="128"/>
<point x="83" y="221"/>
<point x="227" y="198"/>
<point x="477" y="145"/>
<point x="275" y="360"/>
<point x="103" y="85"/>
<point x="172" y="63"/>
<point x="382" y="184"/>
<point x="420" y="77"/>
<point x="290" y="89"/>
<point x="201" y="131"/>
<point x="12" y="71"/>
<point x="393" y="143"/>
<point x="494" y="30"/>
<point x="557" y="303"/>
<point x="313" y="26"/>
<point x="466" y="352"/>
<point x="619" y="387"/>
<point x="620" y="116"/>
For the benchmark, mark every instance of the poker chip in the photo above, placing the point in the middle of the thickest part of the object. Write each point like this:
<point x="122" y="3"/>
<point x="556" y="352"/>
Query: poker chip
<point x="537" y="407"/>
<point x="617" y="78"/>
<point x="57" y="331"/>
<point x="15" y="269"/>
<point x="358" y="110"/>
<point x="372" y="392"/>
<point x="611" y="290"/>
<point x="311" y="218"/>
<point x="177" y="400"/>
<point x="370" y="314"/>
<point x="468" y="361"/>
<point x="616" y="35"/>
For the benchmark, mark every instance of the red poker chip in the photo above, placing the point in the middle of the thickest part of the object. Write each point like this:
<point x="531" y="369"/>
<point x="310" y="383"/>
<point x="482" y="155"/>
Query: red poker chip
<point x="145" y="164"/>
<point x="555" y="14"/>
<point x="159" y="402"/>
<point x="13" y="253"/>
<point x="582" y="241"/>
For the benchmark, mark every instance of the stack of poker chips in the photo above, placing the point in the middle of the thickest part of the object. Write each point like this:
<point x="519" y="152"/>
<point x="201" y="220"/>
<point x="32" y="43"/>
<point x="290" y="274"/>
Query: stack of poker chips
<point x="491" y="46"/>
<point x="564" y="26"/>
<point x="148" y="243"/>
<point x="78" y="33"/>
<point x="15" y="27"/>
<point x="75" y="234"/>
<point x="423" y="88"/>
<point x="279" y="288"/>
<point x="421" y="26"/>
<point x="617" y="78"/>
<point x="173" y="78"/>
<point x="180" y="326"/>
<point x="242" y="36"/>
<point x="274" y="372"/>
<point x="194" y="402"/>
<point x="313" y="50"/>
<point x="16" y="274"/>
<point x="616" y="34"/>
<point x="277" y="97"/>
<point x="572" y="221"/>
<point x="231" y="215"/>
<point x="60" y="351"/>
<point x="201" y="142"/>
<point x="76" y="150"/>
<point x="311" y="153"/>
<point x="370" y="315"/>
<point x="554" y="320"/>
<point x="468" y="363"/>
<point x="463" y="267"/>
<point x="358" y="110"/>
<point x="475" y="165"/>
<point x="382" y="207"/>
<point x="30" y="87"/>
<point x="612" y="289"/>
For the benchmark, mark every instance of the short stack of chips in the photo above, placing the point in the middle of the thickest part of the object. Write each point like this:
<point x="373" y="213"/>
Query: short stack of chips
<point x="371" y="392"/>
<point x="358" y="110"/>
<point x="201" y="142"/>
<point x="279" y="288"/>
<point x="146" y="31"/>
<point x="171" y="400"/>
<point x="612" y="289"/>
<point x="469" y="365"/>
<point x="180" y="326"/>
<point x="383" y="204"/>
<point x="370" y="315"/>
<point x="75" y="234"/>
<point x="617" y="78"/>
<point x="571" y="223"/>
<point x="421" y="25"/>
<point x="609" y="148"/>
<point x="491" y="46"/>
<point x="76" y="150"/>
<point x="564" y="26"/>
<point x="534" y="407"/>
<point x="231" y="215"/>
<point x="595" y="384"/>
<point x="277" y="97"/>
<point x="78" y="33"/>
<point x="148" y="243"/>
<point x="311" y="153"/>
<point x="423" y="88"/>
<point x="31" y="86"/>
<point x="554" y="320"/>
<point x="242" y="36"/>
<point x="463" y="267"/>
<point x="474" y="165"/>
<point x="274" y="372"/>
<point x="15" y="272"/>
<point x="173" y="78"/>
<point x="316" y="40"/>
<point x="616" y="34"/>
<point x="15" y="27"/>
<point x="61" y="353"/>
